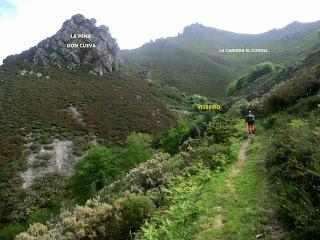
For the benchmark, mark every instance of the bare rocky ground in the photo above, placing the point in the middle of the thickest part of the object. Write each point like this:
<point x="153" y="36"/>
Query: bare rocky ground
<point x="55" y="157"/>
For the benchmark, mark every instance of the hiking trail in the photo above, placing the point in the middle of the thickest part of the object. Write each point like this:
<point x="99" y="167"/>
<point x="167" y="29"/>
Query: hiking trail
<point x="240" y="201"/>
<point x="236" y="168"/>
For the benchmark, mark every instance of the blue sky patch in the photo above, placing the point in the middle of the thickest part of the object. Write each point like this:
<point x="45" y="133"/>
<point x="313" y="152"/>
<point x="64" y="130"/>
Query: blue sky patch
<point x="7" y="8"/>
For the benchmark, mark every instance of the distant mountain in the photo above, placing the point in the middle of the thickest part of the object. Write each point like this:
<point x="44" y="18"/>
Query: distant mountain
<point x="78" y="42"/>
<point x="192" y="62"/>
<point x="74" y="69"/>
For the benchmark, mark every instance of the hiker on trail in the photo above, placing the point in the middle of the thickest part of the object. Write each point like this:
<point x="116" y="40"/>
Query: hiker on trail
<point x="250" y="120"/>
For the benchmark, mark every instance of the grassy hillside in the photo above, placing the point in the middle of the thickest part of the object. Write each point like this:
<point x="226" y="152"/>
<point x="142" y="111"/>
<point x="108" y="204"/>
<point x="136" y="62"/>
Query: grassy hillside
<point x="111" y="106"/>
<point x="66" y="106"/>
<point x="192" y="62"/>
<point x="255" y="72"/>
<point x="187" y="69"/>
<point x="280" y="88"/>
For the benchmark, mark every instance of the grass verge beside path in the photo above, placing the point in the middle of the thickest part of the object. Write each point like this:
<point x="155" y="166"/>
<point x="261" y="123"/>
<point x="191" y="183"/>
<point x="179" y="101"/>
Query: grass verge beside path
<point x="239" y="203"/>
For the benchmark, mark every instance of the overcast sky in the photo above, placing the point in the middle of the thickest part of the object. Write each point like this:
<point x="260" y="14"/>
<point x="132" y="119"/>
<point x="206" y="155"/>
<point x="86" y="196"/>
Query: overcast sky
<point x="23" y="23"/>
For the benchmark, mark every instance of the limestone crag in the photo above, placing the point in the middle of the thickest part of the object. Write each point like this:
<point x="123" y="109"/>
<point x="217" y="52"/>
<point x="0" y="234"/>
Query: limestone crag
<point x="78" y="42"/>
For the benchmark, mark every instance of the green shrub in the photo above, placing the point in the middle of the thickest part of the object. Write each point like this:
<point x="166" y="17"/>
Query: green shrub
<point x="131" y="212"/>
<point x="231" y="88"/>
<point x="220" y="129"/>
<point x="138" y="149"/>
<point x="235" y="109"/>
<point x="293" y="158"/>
<point x="9" y="232"/>
<point x="214" y="156"/>
<point x="40" y="216"/>
<point x="172" y="138"/>
<point x="298" y="210"/>
<point x="193" y="132"/>
<point x="92" y="172"/>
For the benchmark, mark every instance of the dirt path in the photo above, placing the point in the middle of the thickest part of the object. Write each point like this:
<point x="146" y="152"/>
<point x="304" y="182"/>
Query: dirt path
<point x="242" y="158"/>
<point x="241" y="204"/>
<point x="235" y="170"/>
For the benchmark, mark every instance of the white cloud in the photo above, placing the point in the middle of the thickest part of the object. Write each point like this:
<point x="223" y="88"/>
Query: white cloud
<point x="136" y="22"/>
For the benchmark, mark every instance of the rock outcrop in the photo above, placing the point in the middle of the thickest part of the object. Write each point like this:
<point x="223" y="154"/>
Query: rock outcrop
<point x="78" y="42"/>
<point x="57" y="157"/>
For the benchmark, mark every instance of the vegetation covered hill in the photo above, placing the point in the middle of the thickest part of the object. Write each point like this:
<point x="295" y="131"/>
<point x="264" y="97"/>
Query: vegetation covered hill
<point x="278" y="89"/>
<point x="191" y="61"/>
<point x="65" y="107"/>
<point x="180" y="182"/>
<point x="194" y="194"/>
<point x="253" y="74"/>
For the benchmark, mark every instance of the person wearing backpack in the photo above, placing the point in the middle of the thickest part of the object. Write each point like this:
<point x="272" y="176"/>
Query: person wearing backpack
<point x="250" y="120"/>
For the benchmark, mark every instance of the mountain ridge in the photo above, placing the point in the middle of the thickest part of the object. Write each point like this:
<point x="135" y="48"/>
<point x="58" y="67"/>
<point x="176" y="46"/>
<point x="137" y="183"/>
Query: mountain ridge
<point x="192" y="62"/>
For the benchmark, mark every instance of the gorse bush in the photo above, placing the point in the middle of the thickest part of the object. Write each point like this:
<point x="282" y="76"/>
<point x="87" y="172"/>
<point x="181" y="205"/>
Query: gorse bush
<point x="101" y="221"/>
<point x="290" y="91"/>
<point x="304" y="106"/>
<point x="49" y="191"/>
<point x="96" y="220"/>
<point x="146" y="177"/>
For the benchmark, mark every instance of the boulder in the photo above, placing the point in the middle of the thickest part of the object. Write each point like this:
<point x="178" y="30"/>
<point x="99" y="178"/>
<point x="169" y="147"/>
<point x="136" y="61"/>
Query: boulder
<point x="38" y="75"/>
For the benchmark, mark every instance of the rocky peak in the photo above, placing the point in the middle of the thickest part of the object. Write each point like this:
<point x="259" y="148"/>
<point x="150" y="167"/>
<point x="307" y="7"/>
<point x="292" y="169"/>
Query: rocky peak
<point x="198" y="28"/>
<point x="78" y="42"/>
<point x="194" y="28"/>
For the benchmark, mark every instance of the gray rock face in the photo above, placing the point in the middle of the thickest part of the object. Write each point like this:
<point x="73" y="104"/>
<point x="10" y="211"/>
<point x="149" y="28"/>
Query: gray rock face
<point x="59" y="159"/>
<point x="78" y="42"/>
